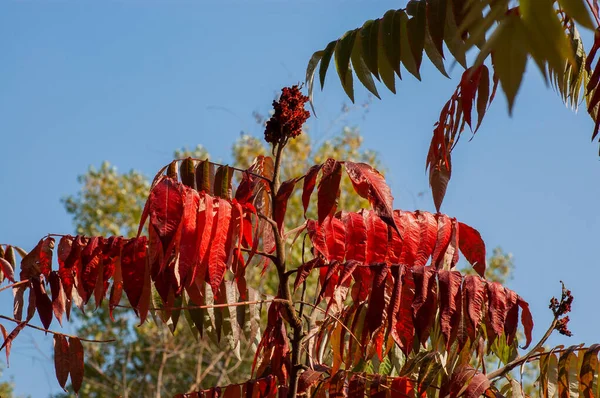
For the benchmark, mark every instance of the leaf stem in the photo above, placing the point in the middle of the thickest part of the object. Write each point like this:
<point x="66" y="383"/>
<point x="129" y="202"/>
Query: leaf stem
<point x="56" y="333"/>
<point x="594" y="12"/>
<point x="15" y="284"/>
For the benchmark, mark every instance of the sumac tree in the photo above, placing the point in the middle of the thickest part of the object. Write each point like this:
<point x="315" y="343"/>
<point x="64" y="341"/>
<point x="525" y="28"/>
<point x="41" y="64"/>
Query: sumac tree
<point x="391" y="315"/>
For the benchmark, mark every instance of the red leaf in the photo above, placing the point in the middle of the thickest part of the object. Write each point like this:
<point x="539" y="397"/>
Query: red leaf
<point x="402" y="387"/>
<point x="356" y="236"/>
<point x="512" y="316"/>
<point x="425" y="303"/>
<point x="328" y="191"/>
<point x="61" y="359"/>
<point x="443" y="239"/>
<point x="526" y="320"/>
<point x="5" y="336"/>
<point x="428" y="236"/>
<point x="472" y="247"/>
<point x="317" y="238"/>
<point x="281" y="198"/>
<point x="166" y="210"/>
<point x="217" y="262"/>
<point x="309" y="185"/>
<point x="335" y="236"/>
<point x="204" y="224"/>
<point x="7" y="270"/>
<point x="307" y="379"/>
<point x="450" y="302"/>
<point x="244" y="190"/>
<point x="377" y="238"/>
<point x="395" y="243"/>
<point x="474" y="291"/>
<point x="68" y="251"/>
<point x="133" y="265"/>
<point x="483" y="92"/>
<point x="117" y="287"/>
<point x="305" y="269"/>
<point x="468" y="87"/>
<point x="110" y="255"/>
<point x="188" y="253"/>
<point x="58" y="296"/>
<point x="327" y="274"/>
<point x="38" y="261"/>
<point x="411" y="233"/>
<point x="146" y="295"/>
<point x="497" y="309"/>
<point x="43" y="304"/>
<point x="439" y="176"/>
<point x="377" y="310"/>
<point x="76" y="363"/>
<point x="397" y="273"/>
<point x="371" y="185"/>
<point x="9" y="339"/>
<point x="90" y="261"/>
<point x="404" y="332"/>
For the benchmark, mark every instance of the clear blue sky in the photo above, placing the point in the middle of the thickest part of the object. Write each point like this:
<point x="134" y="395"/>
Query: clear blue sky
<point x="129" y="81"/>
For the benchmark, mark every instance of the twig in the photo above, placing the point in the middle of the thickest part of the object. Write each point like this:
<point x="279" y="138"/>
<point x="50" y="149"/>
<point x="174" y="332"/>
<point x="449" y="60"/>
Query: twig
<point x="260" y="253"/>
<point x="521" y="360"/>
<point x="57" y="333"/>
<point x="594" y="12"/>
<point x="316" y="307"/>
<point x="193" y="307"/>
<point x="15" y="284"/>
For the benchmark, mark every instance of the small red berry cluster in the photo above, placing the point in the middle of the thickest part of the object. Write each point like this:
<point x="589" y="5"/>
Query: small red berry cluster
<point x="560" y="308"/>
<point x="289" y="116"/>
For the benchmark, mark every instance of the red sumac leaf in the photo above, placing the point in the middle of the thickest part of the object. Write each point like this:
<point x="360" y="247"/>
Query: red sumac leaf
<point x="483" y="92"/>
<point x="58" y="296"/>
<point x="474" y="291"/>
<point x="9" y="339"/>
<point x="43" y="304"/>
<point x="450" y="302"/>
<point x="217" y="262"/>
<point x="5" y="336"/>
<point x="411" y="233"/>
<point x="512" y="316"/>
<point x="7" y="270"/>
<point x="496" y="308"/>
<point x="281" y="199"/>
<point x="377" y="238"/>
<point x="39" y="260"/>
<point x="468" y="87"/>
<point x="305" y="269"/>
<point x="356" y="387"/>
<point x="472" y="247"/>
<point x="356" y="236"/>
<point x="204" y="224"/>
<point x="317" y="237"/>
<point x="76" y="363"/>
<point x="526" y="320"/>
<point x="307" y="379"/>
<point x="404" y="331"/>
<point x="133" y="265"/>
<point x="188" y="253"/>
<point x="335" y="237"/>
<point x="370" y="184"/>
<point x="377" y="310"/>
<point x="61" y="359"/>
<point x="402" y="387"/>
<point x="117" y="287"/>
<point x="166" y="210"/>
<point x="425" y="303"/>
<point x="329" y="189"/>
<point x="444" y="235"/>
<point x="90" y="261"/>
<point x="310" y="181"/>
<point x="428" y="236"/>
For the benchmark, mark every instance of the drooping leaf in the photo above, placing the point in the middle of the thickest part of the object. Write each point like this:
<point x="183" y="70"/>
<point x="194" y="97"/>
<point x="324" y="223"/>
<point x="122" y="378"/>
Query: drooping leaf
<point x="369" y="38"/>
<point x="496" y="308"/>
<point x="416" y="28"/>
<point x="428" y="236"/>
<point x="205" y="177"/>
<point x="474" y="291"/>
<point x="43" y="304"/>
<point x="329" y="189"/>
<point x="343" y="51"/>
<point x="133" y="265"/>
<point x="377" y="238"/>
<point x="371" y="185"/>
<point x="589" y="371"/>
<point x="61" y="359"/>
<point x="360" y="67"/>
<point x="76" y="364"/>
<point x="450" y="302"/>
<point x="188" y="253"/>
<point x="526" y="320"/>
<point x="436" y="22"/>
<point x="7" y="270"/>
<point x="310" y="181"/>
<point x="356" y="236"/>
<point x="281" y="199"/>
<point x="217" y="263"/>
<point x="39" y="260"/>
<point x="4" y="337"/>
<point x="425" y="301"/>
<point x="223" y="186"/>
<point x="58" y="296"/>
<point x="327" y="53"/>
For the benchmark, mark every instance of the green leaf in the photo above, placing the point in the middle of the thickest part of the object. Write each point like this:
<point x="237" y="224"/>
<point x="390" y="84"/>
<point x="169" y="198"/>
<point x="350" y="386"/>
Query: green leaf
<point x="416" y="27"/>
<point x="434" y="55"/>
<point x="453" y="39"/>
<point x="361" y="69"/>
<point x="577" y="10"/>
<point x="310" y="75"/>
<point x="369" y="38"/>
<point x="510" y="55"/>
<point x="436" y="22"/>
<point x="385" y="367"/>
<point x="390" y="32"/>
<point x="386" y="71"/>
<point x="406" y="54"/>
<point x="545" y="34"/>
<point x="343" y="51"/>
<point x="327" y="53"/>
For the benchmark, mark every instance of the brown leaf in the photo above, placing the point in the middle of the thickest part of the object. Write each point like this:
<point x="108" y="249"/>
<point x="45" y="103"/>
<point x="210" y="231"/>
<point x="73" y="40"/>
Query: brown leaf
<point x="39" y="260"/>
<point x="309" y="185"/>
<point x="43" y="304"/>
<point x="9" y="339"/>
<point x="61" y="359"/>
<point x="76" y="364"/>
<point x="7" y="270"/>
<point x="5" y="336"/>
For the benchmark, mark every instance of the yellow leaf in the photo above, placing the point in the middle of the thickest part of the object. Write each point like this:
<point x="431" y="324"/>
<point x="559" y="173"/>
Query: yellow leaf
<point x="577" y="10"/>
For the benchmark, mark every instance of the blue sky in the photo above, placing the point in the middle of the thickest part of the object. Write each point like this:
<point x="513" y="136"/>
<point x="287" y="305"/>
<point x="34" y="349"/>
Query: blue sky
<point x="129" y="81"/>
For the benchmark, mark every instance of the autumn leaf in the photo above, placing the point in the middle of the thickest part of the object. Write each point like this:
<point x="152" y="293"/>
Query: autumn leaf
<point x="61" y="359"/>
<point x="328" y="190"/>
<point x="76" y="364"/>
